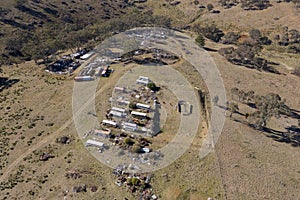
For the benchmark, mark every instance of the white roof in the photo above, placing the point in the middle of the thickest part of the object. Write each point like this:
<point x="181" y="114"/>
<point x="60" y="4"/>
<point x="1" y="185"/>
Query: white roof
<point x="130" y="124"/>
<point x="123" y="101"/>
<point x="75" y="54"/>
<point x="143" y="105"/>
<point x="143" y="79"/>
<point x="147" y="150"/>
<point x="92" y="65"/>
<point x="119" y="88"/>
<point x="109" y="122"/>
<point x="139" y="113"/>
<point x="102" y="132"/>
<point x="103" y="72"/>
<point x="94" y="142"/>
<point x="77" y="77"/>
<point x="116" y="113"/>
<point x="87" y="55"/>
<point x="118" y="109"/>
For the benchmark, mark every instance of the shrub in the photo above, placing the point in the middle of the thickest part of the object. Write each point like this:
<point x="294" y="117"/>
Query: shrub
<point x="132" y="105"/>
<point x="133" y="181"/>
<point x="209" y="7"/>
<point x="152" y="86"/>
<point x="297" y="73"/>
<point x="128" y="141"/>
<point x="136" y="148"/>
<point x="210" y="31"/>
<point x="230" y="38"/>
<point x="200" y="40"/>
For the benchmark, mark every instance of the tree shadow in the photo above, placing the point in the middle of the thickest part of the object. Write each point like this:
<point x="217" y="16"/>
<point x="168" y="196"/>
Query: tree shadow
<point x="227" y="109"/>
<point x="210" y="49"/>
<point x="294" y="110"/>
<point x="290" y="136"/>
<point x="273" y="63"/>
<point x="294" y="115"/>
<point x="239" y="113"/>
<point x="6" y="83"/>
<point x="293" y="129"/>
<point x="251" y="105"/>
<point x="222" y="107"/>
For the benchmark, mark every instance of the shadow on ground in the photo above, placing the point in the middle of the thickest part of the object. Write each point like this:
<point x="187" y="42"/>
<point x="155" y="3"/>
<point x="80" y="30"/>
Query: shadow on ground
<point x="290" y="136"/>
<point x="6" y="83"/>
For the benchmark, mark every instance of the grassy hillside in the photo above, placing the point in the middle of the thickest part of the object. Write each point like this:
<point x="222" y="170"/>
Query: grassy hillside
<point x="33" y="29"/>
<point x="247" y="163"/>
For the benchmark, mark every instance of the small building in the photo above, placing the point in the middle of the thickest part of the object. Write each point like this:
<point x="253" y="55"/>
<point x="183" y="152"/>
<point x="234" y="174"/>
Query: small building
<point x="109" y="123"/>
<point x="122" y="110"/>
<point x="87" y="55"/>
<point x="184" y="107"/>
<point x="138" y="114"/>
<point x="143" y="106"/>
<point x="145" y="130"/>
<point x="146" y="150"/>
<point x="83" y="78"/>
<point x="94" y="143"/>
<point x="123" y="102"/>
<point x="143" y="80"/>
<point x="102" y="133"/>
<point x="129" y="126"/>
<point x="75" y="55"/>
<point x="120" y="89"/>
<point x="118" y="114"/>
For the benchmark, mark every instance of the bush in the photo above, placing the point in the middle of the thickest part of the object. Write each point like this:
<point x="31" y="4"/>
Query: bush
<point x="265" y="41"/>
<point x="209" y="7"/>
<point x="297" y="73"/>
<point x="294" y="48"/>
<point x="255" y="4"/>
<point x="132" y="105"/>
<point x="136" y="148"/>
<point x="230" y="38"/>
<point x="133" y="181"/>
<point x="210" y="31"/>
<point x="200" y="40"/>
<point x="128" y="141"/>
<point x="255" y="34"/>
<point x="152" y="86"/>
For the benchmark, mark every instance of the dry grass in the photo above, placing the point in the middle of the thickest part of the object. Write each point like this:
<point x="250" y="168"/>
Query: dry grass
<point x="246" y="164"/>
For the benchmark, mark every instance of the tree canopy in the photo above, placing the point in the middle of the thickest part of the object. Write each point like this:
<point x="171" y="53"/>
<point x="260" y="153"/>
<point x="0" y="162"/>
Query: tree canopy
<point x="200" y="40"/>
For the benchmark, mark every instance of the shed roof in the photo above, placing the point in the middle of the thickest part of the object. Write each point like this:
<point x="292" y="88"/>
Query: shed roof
<point x="95" y="143"/>
<point x="139" y="113"/>
<point x="116" y="113"/>
<point x="109" y="122"/>
<point x="122" y="110"/>
<point x="143" y="105"/>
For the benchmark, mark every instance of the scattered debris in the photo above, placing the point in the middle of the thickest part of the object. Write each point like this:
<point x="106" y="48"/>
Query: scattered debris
<point x="94" y="189"/>
<point x="63" y="140"/>
<point x="74" y="174"/>
<point x="134" y="182"/>
<point x="78" y="189"/>
<point x="45" y="157"/>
